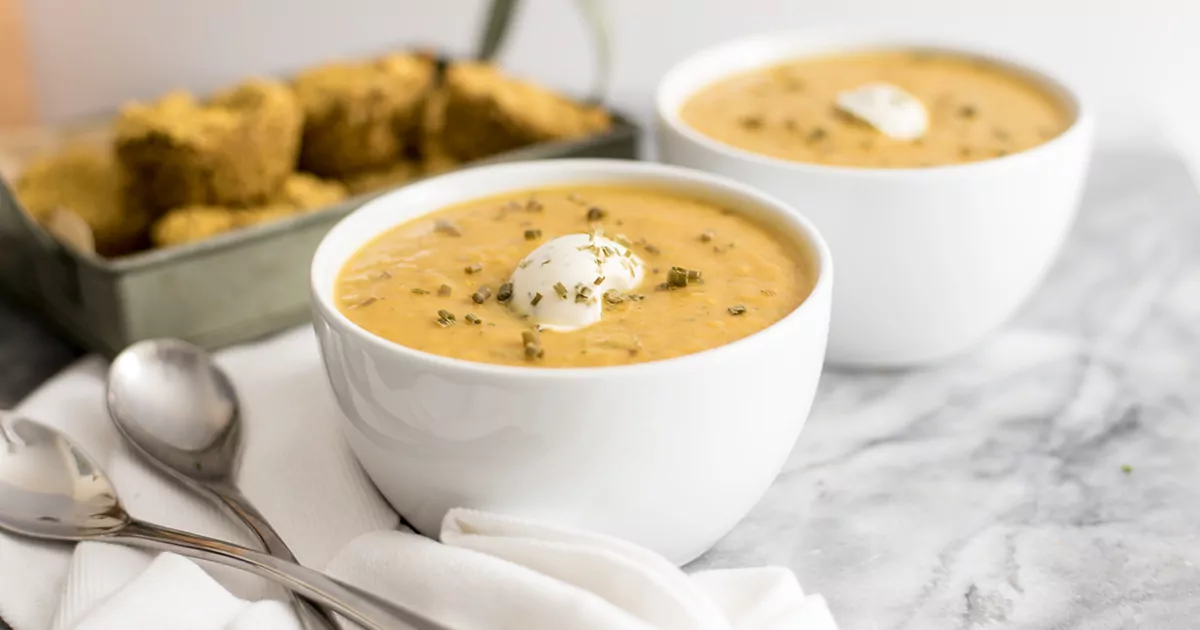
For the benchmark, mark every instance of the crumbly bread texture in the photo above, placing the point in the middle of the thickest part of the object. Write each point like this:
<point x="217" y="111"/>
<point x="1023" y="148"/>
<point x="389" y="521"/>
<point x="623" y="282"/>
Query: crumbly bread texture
<point x="359" y="116"/>
<point x="380" y="179"/>
<point x="303" y="191"/>
<point x="236" y="149"/>
<point x="300" y="193"/>
<point x="487" y="112"/>
<point x="87" y="181"/>
<point x="197" y="223"/>
<point x="435" y="157"/>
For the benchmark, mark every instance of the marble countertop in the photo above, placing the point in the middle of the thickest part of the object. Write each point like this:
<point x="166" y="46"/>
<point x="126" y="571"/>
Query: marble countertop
<point x="1048" y="480"/>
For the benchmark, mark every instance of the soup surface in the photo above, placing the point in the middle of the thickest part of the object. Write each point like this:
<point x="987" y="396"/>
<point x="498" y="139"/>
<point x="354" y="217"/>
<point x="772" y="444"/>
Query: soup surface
<point x="976" y="110"/>
<point x="402" y="285"/>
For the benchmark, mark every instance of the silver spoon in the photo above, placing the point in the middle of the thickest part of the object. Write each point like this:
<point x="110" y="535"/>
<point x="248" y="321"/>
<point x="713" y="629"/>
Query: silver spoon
<point x="51" y="490"/>
<point x="181" y="413"/>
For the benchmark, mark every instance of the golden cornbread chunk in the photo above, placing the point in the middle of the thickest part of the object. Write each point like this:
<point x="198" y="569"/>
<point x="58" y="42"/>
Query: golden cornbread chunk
<point x="303" y="191"/>
<point x="87" y="181"/>
<point x="488" y="112"/>
<point x="197" y="223"/>
<point x="435" y="158"/>
<point x="359" y="115"/>
<point x="192" y="223"/>
<point x="237" y="149"/>
<point x="394" y="175"/>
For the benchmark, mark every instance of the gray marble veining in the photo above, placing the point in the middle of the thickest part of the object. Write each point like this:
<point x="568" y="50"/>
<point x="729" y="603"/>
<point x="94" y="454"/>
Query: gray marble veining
<point x="1048" y="480"/>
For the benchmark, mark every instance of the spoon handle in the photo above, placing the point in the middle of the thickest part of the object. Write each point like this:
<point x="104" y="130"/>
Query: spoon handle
<point x="233" y="500"/>
<point x="365" y="609"/>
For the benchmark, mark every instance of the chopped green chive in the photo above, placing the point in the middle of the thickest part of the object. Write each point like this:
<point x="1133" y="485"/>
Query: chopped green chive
<point x="444" y="290"/>
<point x="768" y="292"/>
<point x="446" y="315"/>
<point x="533" y="234"/>
<point x="419" y="291"/>
<point x="475" y="268"/>
<point x="595" y="214"/>
<point x="677" y="277"/>
<point x="470" y="317"/>
<point x="737" y="310"/>
<point x="598" y="281"/>
<point x="537" y="297"/>
<point x="505" y="293"/>
<point x="446" y="227"/>
<point x="365" y="303"/>
<point x="481" y="295"/>
<point x="560" y="290"/>
<point x="583" y="293"/>
<point x="612" y="297"/>
<point x="707" y="236"/>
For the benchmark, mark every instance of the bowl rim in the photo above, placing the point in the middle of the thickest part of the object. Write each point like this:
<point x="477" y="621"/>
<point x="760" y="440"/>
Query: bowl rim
<point x="666" y="175"/>
<point x="808" y="43"/>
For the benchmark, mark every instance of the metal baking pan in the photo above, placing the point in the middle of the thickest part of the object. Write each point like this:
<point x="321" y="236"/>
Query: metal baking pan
<point x="231" y="288"/>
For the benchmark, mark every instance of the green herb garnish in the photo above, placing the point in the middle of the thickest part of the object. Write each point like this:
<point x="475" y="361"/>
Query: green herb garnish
<point x="560" y="290"/>
<point x="612" y="297"/>
<point x="595" y="214"/>
<point x="677" y="277"/>
<point x="472" y="318"/>
<point x="505" y="293"/>
<point x="444" y="290"/>
<point x="475" y="268"/>
<point x="537" y="297"/>
<point x="446" y="227"/>
<point x="533" y="234"/>
<point x="707" y="236"/>
<point x="737" y="310"/>
<point x="583" y="293"/>
<point x="419" y="291"/>
<point x="481" y="295"/>
<point x="446" y="315"/>
<point x="365" y="303"/>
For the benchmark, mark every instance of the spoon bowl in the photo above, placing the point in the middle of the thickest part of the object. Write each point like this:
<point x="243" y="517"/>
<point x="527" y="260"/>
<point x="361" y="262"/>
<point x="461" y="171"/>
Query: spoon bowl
<point x="51" y="489"/>
<point x="177" y="407"/>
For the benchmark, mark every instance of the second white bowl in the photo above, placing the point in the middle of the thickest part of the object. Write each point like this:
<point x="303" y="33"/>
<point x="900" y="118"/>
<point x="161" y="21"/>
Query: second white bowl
<point x="930" y="260"/>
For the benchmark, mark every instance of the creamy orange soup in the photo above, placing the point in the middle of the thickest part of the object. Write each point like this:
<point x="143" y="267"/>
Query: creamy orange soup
<point x="977" y="110"/>
<point x="434" y="284"/>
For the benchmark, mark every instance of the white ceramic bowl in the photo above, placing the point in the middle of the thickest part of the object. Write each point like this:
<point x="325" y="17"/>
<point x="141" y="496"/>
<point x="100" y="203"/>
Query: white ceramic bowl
<point x="930" y="260"/>
<point x="669" y="454"/>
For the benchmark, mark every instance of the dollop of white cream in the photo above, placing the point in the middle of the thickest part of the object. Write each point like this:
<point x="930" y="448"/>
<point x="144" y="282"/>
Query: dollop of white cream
<point x="575" y="261"/>
<point x="888" y="108"/>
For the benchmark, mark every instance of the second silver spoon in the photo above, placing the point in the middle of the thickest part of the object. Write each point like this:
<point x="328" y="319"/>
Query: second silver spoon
<point x="181" y="412"/>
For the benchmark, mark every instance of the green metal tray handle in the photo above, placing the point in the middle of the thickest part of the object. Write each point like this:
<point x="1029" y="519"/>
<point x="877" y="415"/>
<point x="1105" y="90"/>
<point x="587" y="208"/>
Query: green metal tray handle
<point x="498" y="25"/>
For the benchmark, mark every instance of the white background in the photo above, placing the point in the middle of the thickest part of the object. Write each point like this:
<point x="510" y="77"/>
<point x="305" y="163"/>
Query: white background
<point x="1139" y="60"/>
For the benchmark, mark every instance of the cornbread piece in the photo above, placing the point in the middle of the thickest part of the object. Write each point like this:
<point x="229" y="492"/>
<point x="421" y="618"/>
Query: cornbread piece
<point x="197" y="223"/>
<point x="86" y="181"/>
<point x="435" y="158"/>
<point x="308" y="192"/>
<point x="358" y="115"/>
<point x="192" y="223"/>
<point x="488" y="113"/>
<point x="394" y="175"/>
<point x="236" y="149"/>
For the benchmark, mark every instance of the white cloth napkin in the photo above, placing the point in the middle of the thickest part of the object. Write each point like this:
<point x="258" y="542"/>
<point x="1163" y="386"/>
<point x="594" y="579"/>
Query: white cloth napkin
<point x="491" y="571"/>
